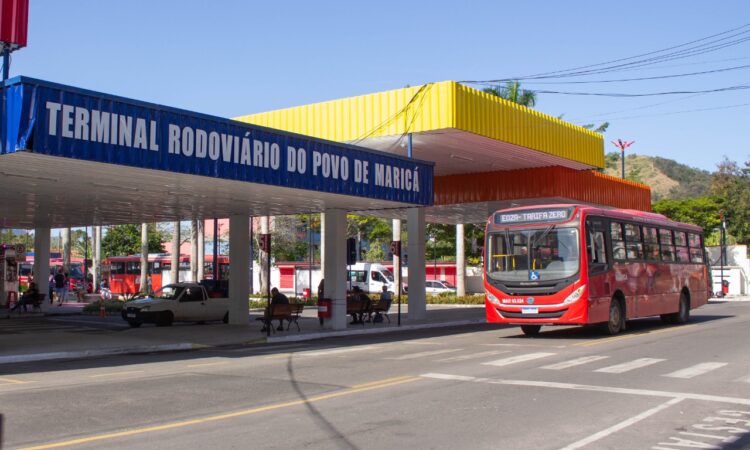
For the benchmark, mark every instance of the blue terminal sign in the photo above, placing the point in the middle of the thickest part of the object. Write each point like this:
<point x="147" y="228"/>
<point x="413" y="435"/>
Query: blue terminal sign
<point x="58" y="120"/>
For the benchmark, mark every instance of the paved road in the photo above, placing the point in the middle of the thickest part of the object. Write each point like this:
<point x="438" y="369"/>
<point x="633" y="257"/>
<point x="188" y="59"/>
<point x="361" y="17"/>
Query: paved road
<point x="483" y="387"/>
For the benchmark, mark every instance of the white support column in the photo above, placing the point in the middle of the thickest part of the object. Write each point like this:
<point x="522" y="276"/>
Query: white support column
<point x="460" y="261"/>
<point x="201" y="248"/>
<point x="41" y="263"/>
<point x="334" y="266"/>
<point x="174" y="272"/>
<point x="66" y="250"/>
<point x="322" y="239"/>
<point x="144" y="287"/>
<point x="416" y="248"/>
<point x="194" y="250"/>
<point x="396" y="258"/>
<point x="97" y="257"/>
<point x="239" y="255"/>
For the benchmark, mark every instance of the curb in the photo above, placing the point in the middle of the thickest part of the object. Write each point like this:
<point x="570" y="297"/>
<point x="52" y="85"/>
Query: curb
<point x="349" y="332"/>
<point x="103" y="352"/>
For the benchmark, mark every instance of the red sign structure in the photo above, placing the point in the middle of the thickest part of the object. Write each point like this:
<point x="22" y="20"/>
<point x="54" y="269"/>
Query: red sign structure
<point x="14" y="19"/>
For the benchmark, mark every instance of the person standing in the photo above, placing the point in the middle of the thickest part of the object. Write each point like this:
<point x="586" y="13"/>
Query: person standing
<point x="60" y="286"/>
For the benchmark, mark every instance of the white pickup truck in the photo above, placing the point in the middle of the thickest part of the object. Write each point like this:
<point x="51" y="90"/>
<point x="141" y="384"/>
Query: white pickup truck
<point x="186" y="302"/>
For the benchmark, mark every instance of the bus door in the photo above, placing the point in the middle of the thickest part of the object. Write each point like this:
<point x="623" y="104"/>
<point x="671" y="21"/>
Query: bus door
<point x="598" y="272"/>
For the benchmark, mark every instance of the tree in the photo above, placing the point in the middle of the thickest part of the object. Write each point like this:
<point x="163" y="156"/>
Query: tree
<point x="373" y="231"/>
<point x="731" y="184"/>
<point x="512" y="92"/>
<point x="600" y="129"/>
<point x="126" y="240"/>
<point x="701" y="211"/>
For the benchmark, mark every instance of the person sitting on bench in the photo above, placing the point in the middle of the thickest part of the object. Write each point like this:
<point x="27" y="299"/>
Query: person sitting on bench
<point x="277" y="298"/>
<point x="28" y="298"/>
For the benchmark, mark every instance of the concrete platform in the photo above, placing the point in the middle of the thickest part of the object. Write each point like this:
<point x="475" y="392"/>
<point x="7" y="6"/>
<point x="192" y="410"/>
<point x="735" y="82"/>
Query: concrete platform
<point x="66" y="333"/>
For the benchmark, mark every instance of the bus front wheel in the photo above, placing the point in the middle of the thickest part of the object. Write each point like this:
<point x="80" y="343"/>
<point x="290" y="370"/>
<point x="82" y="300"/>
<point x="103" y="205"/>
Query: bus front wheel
<point x="531" y="330"/>
<point x="614" y="325"/>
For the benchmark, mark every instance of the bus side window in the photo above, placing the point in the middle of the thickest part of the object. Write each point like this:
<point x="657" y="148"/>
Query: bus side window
<point x="596" y="247"/>
<point x="618" y="241"/>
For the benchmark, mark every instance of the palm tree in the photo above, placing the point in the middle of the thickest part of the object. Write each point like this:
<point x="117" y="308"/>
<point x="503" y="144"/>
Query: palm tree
<point x="512" y="92"/>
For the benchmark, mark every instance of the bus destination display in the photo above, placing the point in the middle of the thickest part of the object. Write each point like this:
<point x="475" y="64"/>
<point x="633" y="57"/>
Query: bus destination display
<point x="532" y="216"/>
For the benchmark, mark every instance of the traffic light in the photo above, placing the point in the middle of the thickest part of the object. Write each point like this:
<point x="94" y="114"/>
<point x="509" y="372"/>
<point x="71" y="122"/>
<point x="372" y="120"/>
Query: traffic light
<point x="351" y="251"/>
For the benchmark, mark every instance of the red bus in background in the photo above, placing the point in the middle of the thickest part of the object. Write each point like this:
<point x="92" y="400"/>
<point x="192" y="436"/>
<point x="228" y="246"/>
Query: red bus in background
<point x="575" y="264"/>
<point x="123" y="273"/>
<point x="75" y="274"/>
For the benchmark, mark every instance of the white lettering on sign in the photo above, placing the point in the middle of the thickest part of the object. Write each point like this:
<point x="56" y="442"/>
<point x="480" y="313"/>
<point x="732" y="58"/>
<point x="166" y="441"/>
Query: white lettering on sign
<point x="76" y="122"/>
<point x="534" y="216"/>
<point x="141" y="133"/>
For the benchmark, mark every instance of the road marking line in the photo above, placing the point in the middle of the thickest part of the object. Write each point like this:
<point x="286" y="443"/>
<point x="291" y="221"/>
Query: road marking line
<point x="694" y="371"/>
<point x="337" y="351"/>
<point x="745" y="379"/>
<point x="630" y="365"/>
<point x="217" y="363"/>
<point x="379" y="382"/>
<point x="218" y="417"/>
<point x="472" y="356"/>
<point x="622" y="425"/>
<point x="574" y="362"/>
<point x="593" y="388"/>
<point x="517" y="359"/>
<point x="14" y="381"/>
<point x="631" y="335"/>
<point x="422" y="354"/>
<point x="114" y="374"/>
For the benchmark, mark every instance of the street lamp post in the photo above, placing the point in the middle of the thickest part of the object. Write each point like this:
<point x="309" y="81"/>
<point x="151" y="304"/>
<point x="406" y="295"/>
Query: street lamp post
<point x="622" y="145"/>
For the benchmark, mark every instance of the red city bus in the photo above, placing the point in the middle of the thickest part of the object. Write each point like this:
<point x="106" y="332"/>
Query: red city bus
<point x="123" y="273"/>
<point x="575" y="264"/>
<point x="75" y="275"/>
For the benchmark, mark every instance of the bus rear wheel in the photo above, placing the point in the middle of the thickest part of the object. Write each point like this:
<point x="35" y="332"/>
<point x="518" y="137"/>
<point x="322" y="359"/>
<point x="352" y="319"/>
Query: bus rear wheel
<point x="683" y="314"/>
<point x="531" y="330"/>
<point x="614" y="325"/>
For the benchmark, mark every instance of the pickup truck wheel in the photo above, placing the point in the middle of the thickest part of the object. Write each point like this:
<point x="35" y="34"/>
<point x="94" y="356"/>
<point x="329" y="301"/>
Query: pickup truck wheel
<point x="166" y="319"/>
<point x="134" y="323"/>
<point x="226" y="318"/>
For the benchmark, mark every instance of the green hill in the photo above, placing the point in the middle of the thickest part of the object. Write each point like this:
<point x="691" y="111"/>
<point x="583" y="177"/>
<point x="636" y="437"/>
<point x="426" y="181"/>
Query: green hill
<point x="667" y="178"/>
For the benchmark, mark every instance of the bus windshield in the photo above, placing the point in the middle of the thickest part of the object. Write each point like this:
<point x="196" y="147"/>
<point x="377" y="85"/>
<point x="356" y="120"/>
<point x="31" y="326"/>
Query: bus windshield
<point x="537" y="254"/>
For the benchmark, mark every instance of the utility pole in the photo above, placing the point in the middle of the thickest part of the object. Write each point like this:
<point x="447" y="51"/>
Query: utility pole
<point x="722" y="248"/>
<point x="622" y="145"/>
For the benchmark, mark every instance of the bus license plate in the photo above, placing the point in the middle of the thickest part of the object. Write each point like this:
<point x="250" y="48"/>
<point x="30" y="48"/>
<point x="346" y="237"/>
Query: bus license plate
<point x="530" y="310"/>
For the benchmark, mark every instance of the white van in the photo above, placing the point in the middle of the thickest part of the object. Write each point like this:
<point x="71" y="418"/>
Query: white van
<point x="370" y="277"/>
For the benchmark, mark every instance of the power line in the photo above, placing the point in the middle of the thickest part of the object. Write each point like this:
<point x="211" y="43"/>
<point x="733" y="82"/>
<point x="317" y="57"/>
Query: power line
<point x="671" y="113"/>
<point x="650" y="94"/>
<point x="706" y="47"/>
<point x="658" y="77"/>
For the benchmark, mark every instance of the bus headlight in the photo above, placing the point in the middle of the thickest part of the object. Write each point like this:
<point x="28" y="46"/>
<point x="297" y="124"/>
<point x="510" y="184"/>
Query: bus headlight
<point x="493" y="299"/>
<point x="575" y="295"/>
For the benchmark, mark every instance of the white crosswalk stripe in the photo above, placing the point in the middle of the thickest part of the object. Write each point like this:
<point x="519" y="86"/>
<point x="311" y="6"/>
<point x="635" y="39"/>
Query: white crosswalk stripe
<point x="517" y="359"/>
<point x="694" y="371"/>
<point x="423" y="354"/>
<point x="744" y="379"/>
<point x="630" y="365"/>
<point x="574" y="362"/>
<point x="473" y="356"/>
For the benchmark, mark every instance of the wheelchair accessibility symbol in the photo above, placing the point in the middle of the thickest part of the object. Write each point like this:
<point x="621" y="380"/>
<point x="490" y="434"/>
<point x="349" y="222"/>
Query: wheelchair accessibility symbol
<point x="533" y="275"/>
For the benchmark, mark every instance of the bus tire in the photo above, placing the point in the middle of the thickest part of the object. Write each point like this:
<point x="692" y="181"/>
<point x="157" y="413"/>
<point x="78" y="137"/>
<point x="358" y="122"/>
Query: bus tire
<point x="134" y="323"/>
<point x="683" y="314"/>
<point x="616" y="319"/>
<point x="531" y="330"/>
<point x="226" y="318"/>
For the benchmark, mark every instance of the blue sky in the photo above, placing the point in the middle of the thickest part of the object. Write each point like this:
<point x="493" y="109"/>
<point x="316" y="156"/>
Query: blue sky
<point x="230" y="58"/>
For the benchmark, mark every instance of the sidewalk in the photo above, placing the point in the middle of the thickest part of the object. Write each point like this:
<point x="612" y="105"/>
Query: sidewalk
<point x="65" y="333"/>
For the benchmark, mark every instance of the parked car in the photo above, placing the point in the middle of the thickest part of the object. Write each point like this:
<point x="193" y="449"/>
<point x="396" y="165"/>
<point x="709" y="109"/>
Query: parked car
<point x="435" y="287"/>
<point x="187" y="302"/>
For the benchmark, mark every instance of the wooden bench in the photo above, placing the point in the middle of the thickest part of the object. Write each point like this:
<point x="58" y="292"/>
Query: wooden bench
<point x="289" y="312"/>
<point x="36" y="304"/>
<point x="380" y="309"/>
<point x="359" y="308"/>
